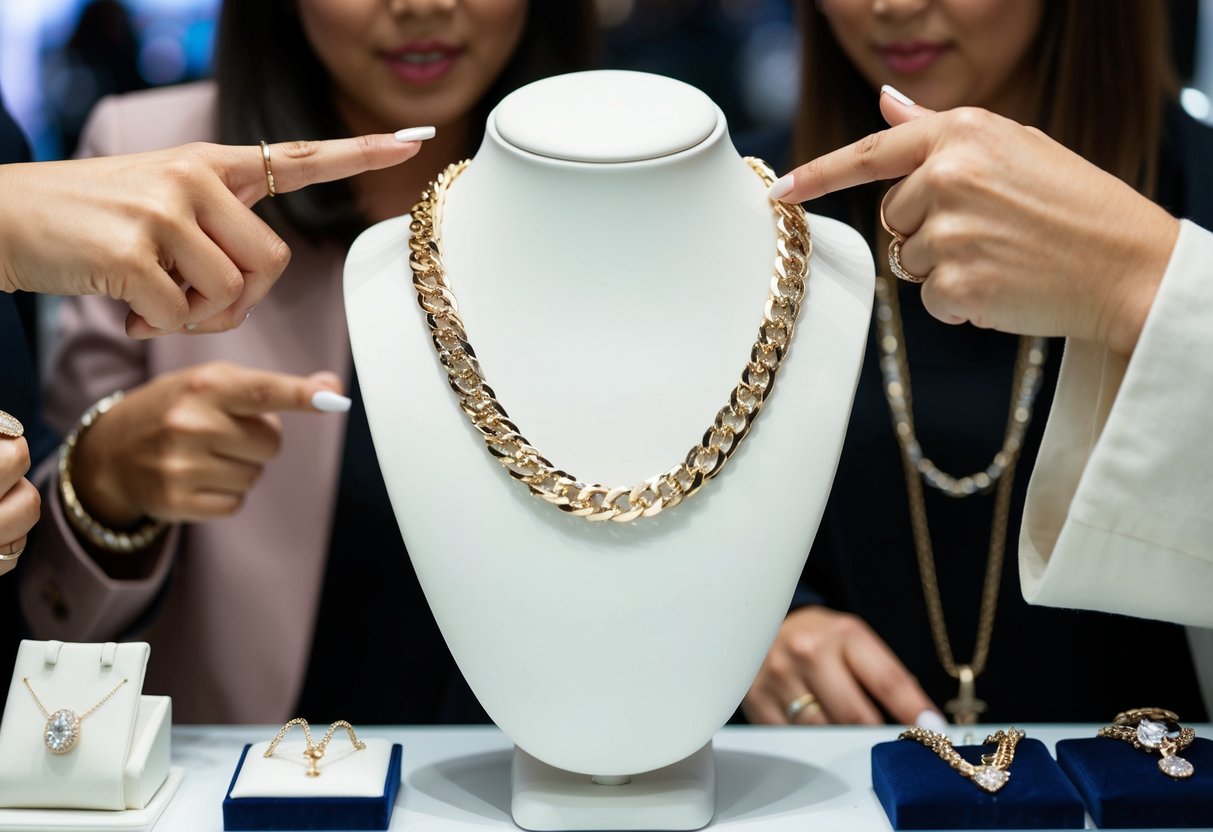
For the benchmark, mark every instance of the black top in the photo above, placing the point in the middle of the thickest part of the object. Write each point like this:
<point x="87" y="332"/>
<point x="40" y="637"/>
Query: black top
<point x="18" y="395"/>
<point x="1044" y="664"/>
<point x="377" y="654"/>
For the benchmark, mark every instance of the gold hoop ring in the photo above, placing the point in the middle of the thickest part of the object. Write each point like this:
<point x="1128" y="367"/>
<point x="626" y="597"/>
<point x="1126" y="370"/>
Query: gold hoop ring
<point x="899" y="271"/>
<point x="806" y="703"/>
<point x="269" y="174"/>
<point x="10" y="426"/>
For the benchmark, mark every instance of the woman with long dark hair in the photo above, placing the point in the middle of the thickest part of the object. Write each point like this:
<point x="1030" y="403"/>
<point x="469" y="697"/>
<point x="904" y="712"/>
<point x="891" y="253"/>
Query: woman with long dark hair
<point x="910" y="601"/>
<point x="253" y="547"/>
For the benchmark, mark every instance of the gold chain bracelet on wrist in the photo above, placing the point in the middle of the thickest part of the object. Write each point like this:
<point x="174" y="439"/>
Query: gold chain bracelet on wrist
<point x="992" y="774"/>
<point x="93" y="531"/>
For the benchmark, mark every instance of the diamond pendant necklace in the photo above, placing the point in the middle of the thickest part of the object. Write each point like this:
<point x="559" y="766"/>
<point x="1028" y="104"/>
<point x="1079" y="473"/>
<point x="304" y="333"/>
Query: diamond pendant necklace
<point x="524" y="462"/>
<point x="966" y="707"/>
<point x="62" y="731"/>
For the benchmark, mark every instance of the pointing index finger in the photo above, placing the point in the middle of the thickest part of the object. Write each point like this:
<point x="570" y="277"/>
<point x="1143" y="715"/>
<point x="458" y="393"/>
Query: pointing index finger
<point x="889" y="154"/>
<point x="244" y="391"/>
<point x="295" y="165"/>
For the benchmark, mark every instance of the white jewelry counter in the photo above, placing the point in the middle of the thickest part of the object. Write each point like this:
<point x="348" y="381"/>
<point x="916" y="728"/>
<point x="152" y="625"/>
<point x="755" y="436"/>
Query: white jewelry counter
<point x="794" y="779"/>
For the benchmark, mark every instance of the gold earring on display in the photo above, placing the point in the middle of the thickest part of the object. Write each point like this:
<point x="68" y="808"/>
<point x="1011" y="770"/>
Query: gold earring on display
<point x="1155" y="729"/>
<point x="314" y="751"/>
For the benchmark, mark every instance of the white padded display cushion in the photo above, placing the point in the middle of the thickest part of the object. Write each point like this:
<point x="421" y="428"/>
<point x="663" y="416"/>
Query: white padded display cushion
<point x="344" y="772"/>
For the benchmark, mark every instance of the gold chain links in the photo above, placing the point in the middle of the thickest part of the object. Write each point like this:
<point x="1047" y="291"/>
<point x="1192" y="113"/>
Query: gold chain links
<point x="887" y="297"/>
<point x="523" y="461"/>
<point x="91" y="710"/>
<point x="992" y="774"/>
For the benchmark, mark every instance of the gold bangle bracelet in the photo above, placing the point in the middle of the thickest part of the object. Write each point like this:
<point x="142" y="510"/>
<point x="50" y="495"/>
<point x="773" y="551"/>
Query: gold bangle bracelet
<point x="93" y="531"/>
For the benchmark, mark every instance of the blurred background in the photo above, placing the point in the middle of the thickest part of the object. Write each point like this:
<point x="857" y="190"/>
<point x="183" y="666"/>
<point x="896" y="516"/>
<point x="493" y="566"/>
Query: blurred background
<point x="57" y="57"/>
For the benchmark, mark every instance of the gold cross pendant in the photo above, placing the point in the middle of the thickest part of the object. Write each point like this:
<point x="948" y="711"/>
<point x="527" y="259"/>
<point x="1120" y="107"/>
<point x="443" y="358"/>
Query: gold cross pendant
<point x="966" y="707"/>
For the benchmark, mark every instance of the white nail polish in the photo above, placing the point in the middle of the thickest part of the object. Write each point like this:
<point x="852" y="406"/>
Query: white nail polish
<point x="932" y="721"/>
<point x="414" y="134"/>
<point x="191" y="327"/>
<point x="897" y="95"/>
<point x="330" y="402"/>
<point x="781" y="187"/>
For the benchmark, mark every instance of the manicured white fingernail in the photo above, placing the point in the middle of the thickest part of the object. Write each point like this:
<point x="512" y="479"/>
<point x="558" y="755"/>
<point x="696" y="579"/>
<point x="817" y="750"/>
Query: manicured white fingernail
<point x="330" y="402"/>
<point x="414" y="134"/>
<point x="932" y="721"/>
<point x="897" y="95"/>
<point x="781" y="187"/>
<point x="191" y="327"/>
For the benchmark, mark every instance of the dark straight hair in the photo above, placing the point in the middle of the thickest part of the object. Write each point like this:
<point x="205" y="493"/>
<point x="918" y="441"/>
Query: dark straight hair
<point x="272" y="86"/>
<point x="1101" y="76"/>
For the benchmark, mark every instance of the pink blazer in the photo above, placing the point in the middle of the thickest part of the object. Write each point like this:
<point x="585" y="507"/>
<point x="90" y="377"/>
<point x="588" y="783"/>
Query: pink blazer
<point x="235" y="599"/>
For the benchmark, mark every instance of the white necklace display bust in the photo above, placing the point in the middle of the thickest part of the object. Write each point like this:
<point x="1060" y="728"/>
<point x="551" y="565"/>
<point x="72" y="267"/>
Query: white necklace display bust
<point x="611" y="253"/>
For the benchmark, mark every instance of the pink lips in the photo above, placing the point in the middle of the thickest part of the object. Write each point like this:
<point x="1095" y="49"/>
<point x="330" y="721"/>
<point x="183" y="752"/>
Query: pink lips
<point x="422" y="62"/>
<point x="909" y="57"/>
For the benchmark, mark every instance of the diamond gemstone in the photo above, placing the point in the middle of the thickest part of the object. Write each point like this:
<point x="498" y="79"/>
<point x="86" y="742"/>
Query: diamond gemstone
<point x="62" y="731"/>
<point x="989" y="778"/>
<point x="1176" y="767"/>
<point x="1150" y="733"/>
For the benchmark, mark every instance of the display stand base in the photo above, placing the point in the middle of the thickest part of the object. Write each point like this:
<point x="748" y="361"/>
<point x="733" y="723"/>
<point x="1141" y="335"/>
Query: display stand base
<point x="86" y="820"/>
<point x="681" y="796"/>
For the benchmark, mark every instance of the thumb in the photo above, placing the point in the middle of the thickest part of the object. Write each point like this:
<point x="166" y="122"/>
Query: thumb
<point x="898" y="108"/>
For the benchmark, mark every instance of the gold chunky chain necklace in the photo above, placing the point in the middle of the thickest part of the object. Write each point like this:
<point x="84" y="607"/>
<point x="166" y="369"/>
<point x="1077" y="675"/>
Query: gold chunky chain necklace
<point x="523" y="461"/>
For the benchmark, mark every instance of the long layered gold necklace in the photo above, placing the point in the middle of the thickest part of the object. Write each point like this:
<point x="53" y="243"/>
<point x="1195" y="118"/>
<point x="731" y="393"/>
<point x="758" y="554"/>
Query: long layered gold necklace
<point x="521" y="460"/>
<point x="919" y="469"/>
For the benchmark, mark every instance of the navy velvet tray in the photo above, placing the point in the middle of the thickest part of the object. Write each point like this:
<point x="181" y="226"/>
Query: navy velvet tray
<point x="275" y="813"/>
<point x="918" y="790"/>
<point x="1124" y="789"/>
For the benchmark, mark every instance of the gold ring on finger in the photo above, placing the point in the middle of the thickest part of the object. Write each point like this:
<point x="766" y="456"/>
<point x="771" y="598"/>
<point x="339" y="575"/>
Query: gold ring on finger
<point x="806" y="703"/>
<point x="899" y="271"/>
<point x="269" y="174"/>
<point x="10" y="426"/>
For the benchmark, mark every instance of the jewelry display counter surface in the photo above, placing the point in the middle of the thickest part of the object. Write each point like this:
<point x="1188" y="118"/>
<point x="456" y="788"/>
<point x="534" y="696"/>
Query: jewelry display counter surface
<point x="795" y="779"/>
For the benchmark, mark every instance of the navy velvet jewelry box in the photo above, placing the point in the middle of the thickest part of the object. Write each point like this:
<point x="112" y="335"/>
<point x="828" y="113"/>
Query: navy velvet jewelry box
<point x="918" y="790"/>
<point x="274" y="813"/>
<point x="1123" y="787"/>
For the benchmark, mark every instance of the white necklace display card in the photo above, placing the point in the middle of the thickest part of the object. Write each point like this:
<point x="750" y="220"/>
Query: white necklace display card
<point x="76" y="677"/>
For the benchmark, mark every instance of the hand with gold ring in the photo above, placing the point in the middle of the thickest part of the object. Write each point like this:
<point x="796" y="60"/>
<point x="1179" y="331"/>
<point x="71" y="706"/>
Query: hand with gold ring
<point x="20" y="504"/>
<point x="1011" y="230"/>
<point x="852" y="674"/>
<point x="169" y="232"/>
